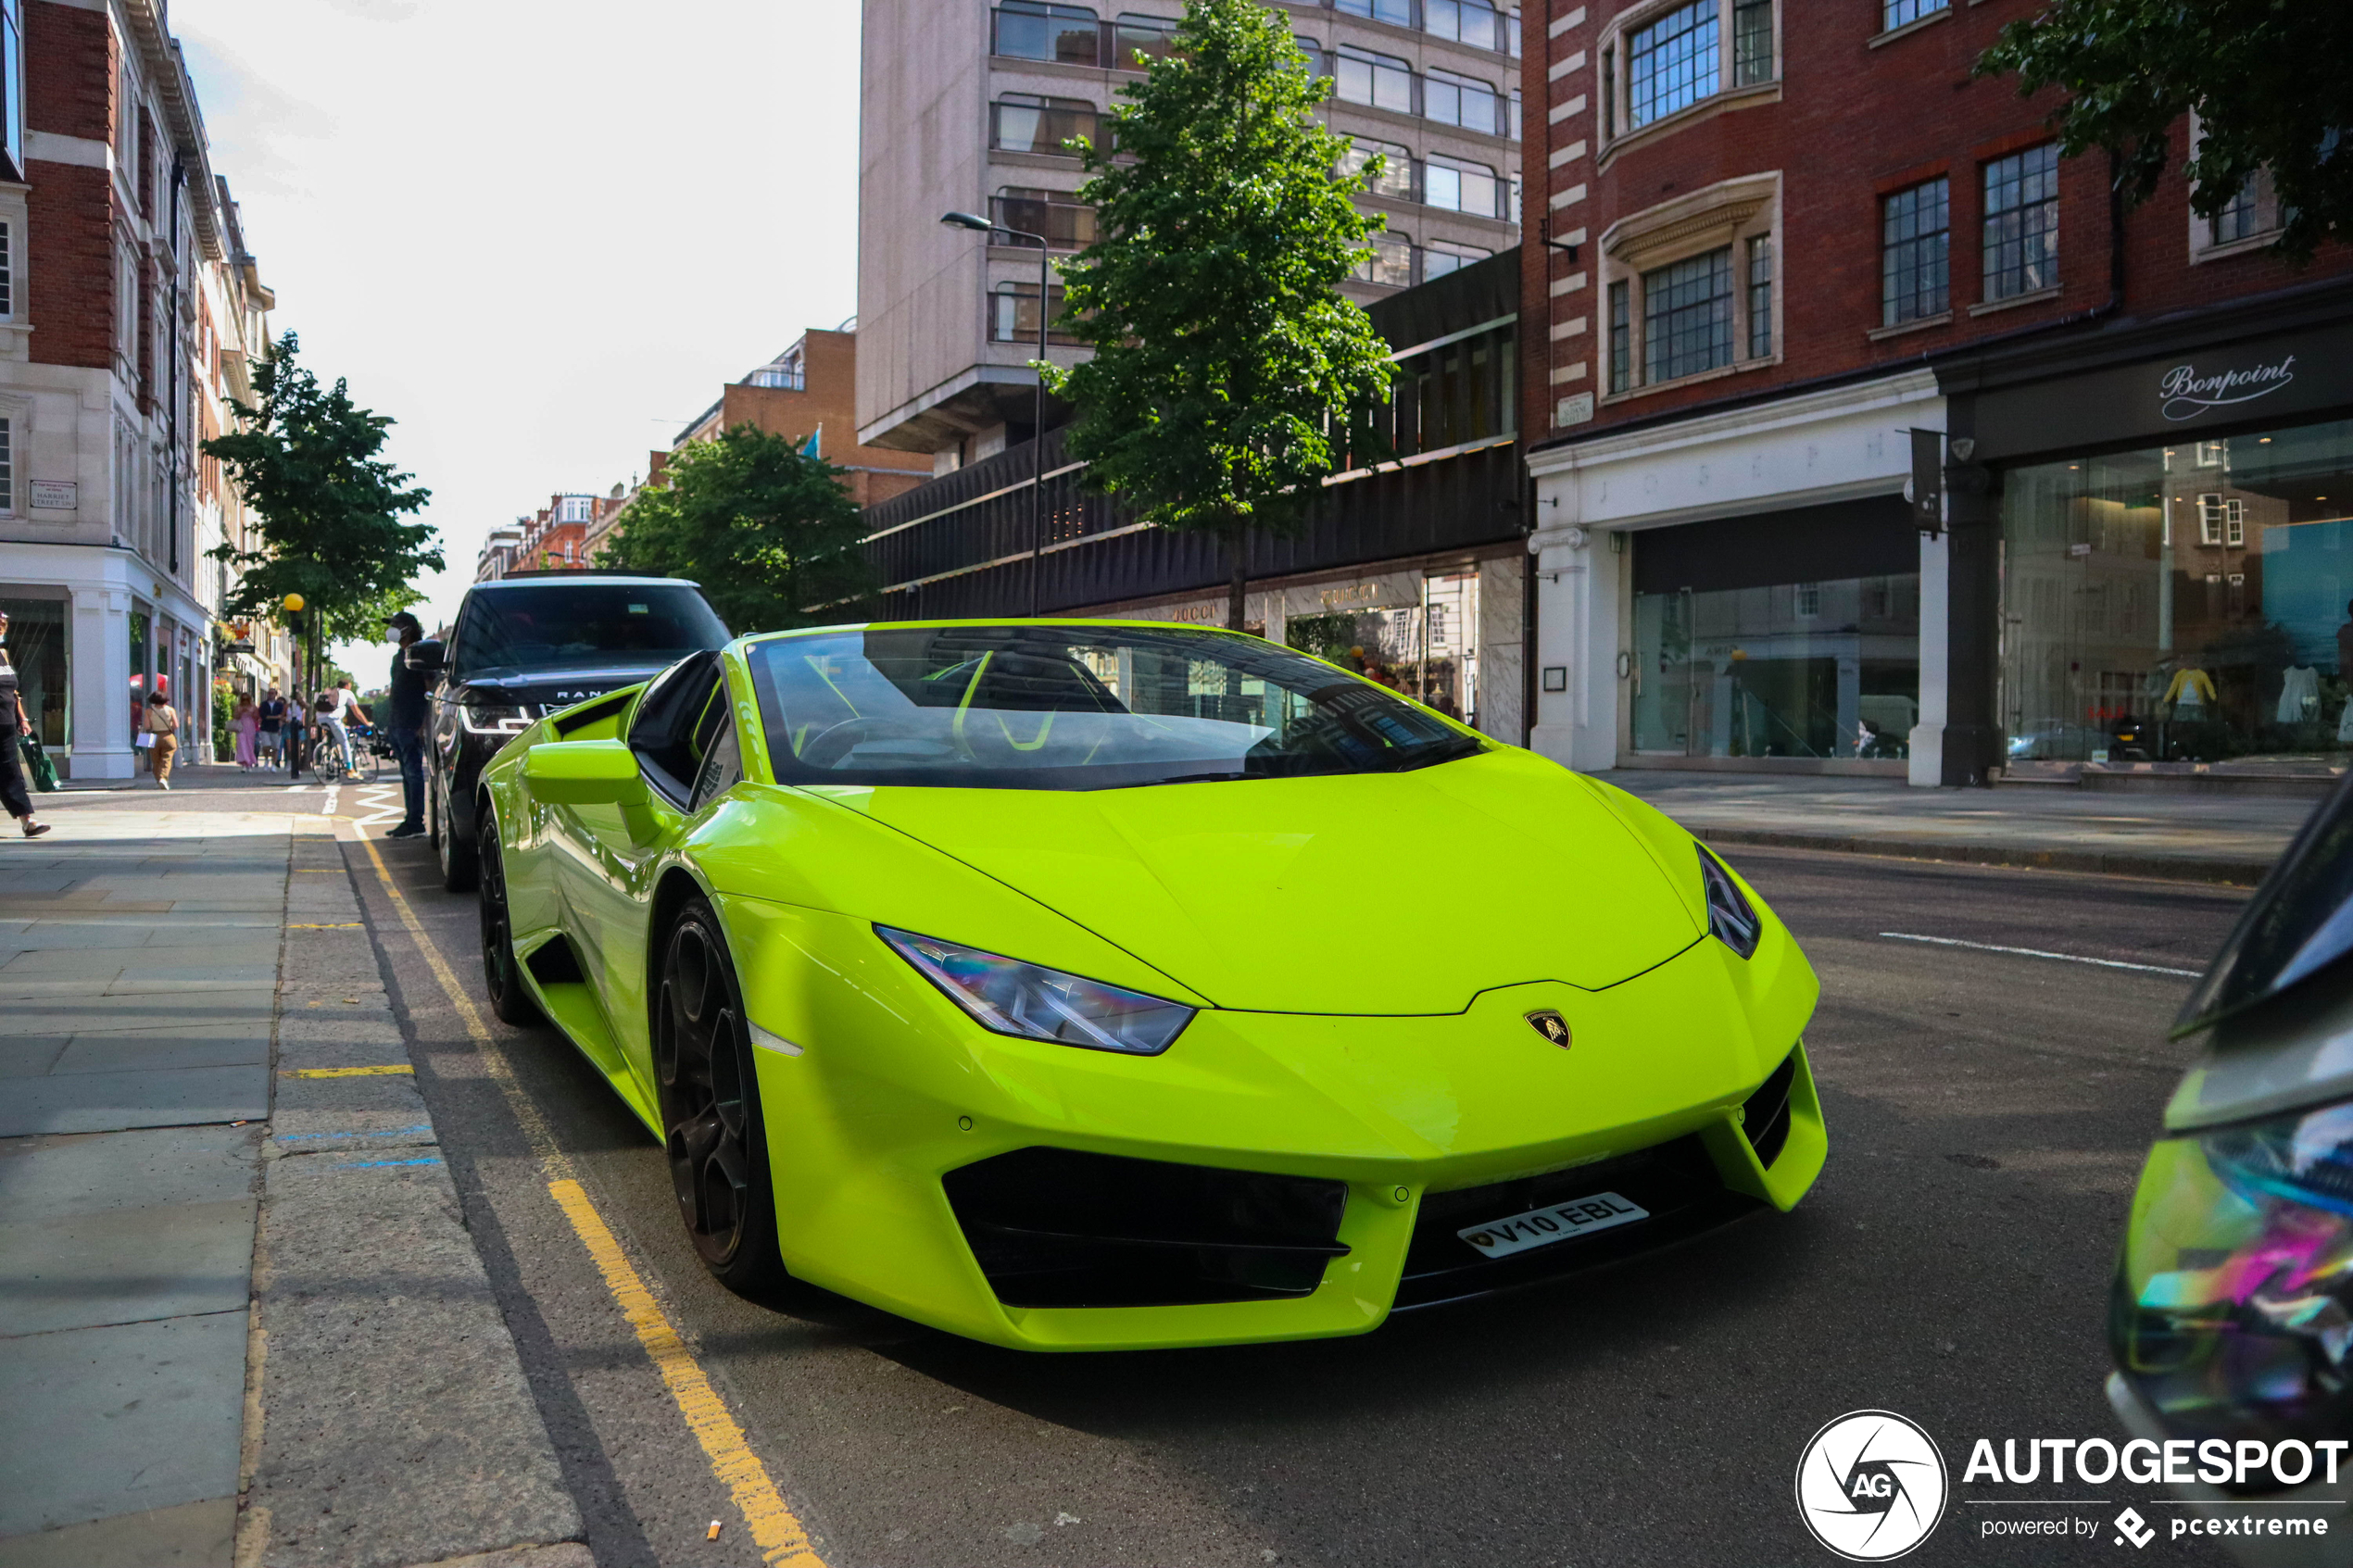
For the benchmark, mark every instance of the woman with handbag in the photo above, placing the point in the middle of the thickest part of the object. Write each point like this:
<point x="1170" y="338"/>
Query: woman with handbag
<point x="14" y="727"/>
<point x="246" y="727"/>
<point x="159" y="733"/>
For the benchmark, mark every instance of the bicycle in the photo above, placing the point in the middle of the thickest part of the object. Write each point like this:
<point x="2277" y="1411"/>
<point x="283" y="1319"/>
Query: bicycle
<point x="322" y="754"/>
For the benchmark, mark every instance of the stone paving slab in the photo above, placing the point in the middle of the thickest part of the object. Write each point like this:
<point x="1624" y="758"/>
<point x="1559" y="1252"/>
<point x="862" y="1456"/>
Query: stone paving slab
<point x="119" y="1420"/>
<point x="127" y="1266"/>
<point x="193" y="1535"/>
<point x="96" y="1102"/>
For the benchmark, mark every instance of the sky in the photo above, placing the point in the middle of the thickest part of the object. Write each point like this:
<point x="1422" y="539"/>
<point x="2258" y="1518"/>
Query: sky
<point x="539" y="234"/>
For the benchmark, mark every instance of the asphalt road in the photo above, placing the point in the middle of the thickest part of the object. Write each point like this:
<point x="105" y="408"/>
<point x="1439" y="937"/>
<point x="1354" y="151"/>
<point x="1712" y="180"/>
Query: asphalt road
<point x="1988" y="1111"/>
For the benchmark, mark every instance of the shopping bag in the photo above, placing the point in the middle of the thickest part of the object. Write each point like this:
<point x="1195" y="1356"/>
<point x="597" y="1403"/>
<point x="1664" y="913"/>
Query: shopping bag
<point x="36" y="763"/>
<point x="146" y="740"/>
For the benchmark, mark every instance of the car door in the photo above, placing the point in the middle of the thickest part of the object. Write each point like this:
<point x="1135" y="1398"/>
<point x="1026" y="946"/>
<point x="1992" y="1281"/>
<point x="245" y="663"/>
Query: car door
<point x="612" y="852"/>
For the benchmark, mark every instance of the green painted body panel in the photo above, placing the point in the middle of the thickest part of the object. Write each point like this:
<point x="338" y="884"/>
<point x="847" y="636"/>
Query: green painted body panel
<point x="1311" y="1055"/>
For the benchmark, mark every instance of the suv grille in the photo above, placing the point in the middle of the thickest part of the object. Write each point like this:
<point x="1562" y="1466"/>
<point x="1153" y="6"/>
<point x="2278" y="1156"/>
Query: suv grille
<point x="1054" y="1228"/>
<point x="1676" y="1182"/>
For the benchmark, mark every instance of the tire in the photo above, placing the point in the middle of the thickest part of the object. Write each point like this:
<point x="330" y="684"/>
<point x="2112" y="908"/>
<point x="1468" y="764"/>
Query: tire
<point x="714" y="1135"/>
<point x="501" y="972"/>
<point x="460" y="863"/>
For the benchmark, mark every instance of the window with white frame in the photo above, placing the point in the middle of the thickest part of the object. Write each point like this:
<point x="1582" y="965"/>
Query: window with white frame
<point x="7" y="465"/>
<point x="2221" y="520"/>
<point x="2022" y="223"/>
<point x="7" y="273"/>
<point x="1665" y="61"/>
<point x="1903" y="13"/>
<point x="1690" y="287"/>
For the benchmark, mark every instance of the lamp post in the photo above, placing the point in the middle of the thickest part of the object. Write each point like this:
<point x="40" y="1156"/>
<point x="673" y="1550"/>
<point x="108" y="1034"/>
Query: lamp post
<point x="1038" y="407"/>
<point x="294" y="603"/>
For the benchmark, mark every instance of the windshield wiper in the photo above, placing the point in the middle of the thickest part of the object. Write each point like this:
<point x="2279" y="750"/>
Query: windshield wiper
<point x="1451" y="751"/>
<point x="1203" y="778"/>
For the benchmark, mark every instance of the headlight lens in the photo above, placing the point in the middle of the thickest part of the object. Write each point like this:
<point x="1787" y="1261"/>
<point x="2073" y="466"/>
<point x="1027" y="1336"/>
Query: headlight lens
<point x="494" y="719"/>
<point x="1012" y="998"/>
<point x="1729" y="918"/>
<point x="2229" y="1312"/>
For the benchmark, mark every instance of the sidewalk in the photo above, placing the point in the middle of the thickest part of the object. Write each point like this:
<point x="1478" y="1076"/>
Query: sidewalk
<point x="224" y="1337"/>
<point x="2190" y="837"/>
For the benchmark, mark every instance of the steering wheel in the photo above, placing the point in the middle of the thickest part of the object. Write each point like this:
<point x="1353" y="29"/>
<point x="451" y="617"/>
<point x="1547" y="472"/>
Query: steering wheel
<point x="832" y="743"/>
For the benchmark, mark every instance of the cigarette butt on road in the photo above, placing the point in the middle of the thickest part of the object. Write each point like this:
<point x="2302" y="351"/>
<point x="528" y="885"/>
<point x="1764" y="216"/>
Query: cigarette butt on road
<point x="713" y="1534"/>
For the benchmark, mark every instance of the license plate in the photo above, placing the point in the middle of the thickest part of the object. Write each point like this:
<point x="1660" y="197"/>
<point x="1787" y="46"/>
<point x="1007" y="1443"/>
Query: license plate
<point x="1556" y="1222"/>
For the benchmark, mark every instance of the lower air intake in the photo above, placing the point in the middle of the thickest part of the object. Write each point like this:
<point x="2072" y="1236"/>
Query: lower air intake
<point x="1054" y="1228"/>
<point x="1765" y="1117"/>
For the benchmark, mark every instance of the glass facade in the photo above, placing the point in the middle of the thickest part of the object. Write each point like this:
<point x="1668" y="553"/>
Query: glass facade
<point x="2181" y="603"/>
<point x="1822" y="669"/>
<point x="39" y="647"/>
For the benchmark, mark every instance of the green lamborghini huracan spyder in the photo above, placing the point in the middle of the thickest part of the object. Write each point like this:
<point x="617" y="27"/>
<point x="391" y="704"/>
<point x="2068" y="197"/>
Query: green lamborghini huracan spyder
<point x="1042" y="981"/>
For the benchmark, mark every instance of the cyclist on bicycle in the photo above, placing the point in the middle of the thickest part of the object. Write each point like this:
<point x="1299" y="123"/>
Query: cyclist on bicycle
<point x="333" y="709"/>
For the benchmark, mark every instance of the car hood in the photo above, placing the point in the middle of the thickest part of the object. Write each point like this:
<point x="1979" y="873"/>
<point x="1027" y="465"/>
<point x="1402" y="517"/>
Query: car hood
<point x="1372" y="894"/>
<point x="556" y="685"/>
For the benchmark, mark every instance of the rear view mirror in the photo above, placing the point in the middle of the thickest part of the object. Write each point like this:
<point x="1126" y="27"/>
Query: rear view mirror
<point x="583" y="772"/>
<point x="428" y="657"/>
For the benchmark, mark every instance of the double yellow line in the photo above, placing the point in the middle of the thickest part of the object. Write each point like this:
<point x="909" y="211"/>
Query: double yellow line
<point x="778" y="1533"/>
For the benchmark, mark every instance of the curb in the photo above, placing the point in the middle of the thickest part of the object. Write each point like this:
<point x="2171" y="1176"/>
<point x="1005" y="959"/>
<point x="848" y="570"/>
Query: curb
<point x="2164" y="867"/>
<point x="388" y="1421"/>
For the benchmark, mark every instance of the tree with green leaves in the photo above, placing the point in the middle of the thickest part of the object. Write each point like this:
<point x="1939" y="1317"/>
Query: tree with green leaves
<point x="331" y="516"/>
<point x="2266" y="78"/>
<point x="1226" y="368"/>
<point x="768" y="530"/>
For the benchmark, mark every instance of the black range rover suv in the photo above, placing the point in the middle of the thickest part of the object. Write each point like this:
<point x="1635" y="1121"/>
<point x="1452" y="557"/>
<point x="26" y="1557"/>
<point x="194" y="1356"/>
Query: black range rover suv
<point x="526" y="645"/>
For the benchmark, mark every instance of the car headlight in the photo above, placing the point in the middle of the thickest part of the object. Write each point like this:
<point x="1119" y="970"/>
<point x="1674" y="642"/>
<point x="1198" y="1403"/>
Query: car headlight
<point x="494" y="719"/>
<point x="2230" y="1309"/>
<point x="1729" y="918"/>
<point x="1012" y="998"/>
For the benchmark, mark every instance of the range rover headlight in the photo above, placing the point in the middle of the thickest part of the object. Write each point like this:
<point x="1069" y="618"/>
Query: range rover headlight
<point x="1730" y="919"/>
<point x="1012" y="998"/>
<point x="2229" y="1312"/>
<point x="494" y="718"/>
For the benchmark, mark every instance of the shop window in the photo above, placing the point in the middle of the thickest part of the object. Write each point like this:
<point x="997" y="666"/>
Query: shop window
<point x="2022" y="223"/>
<point x="38" y="647"/>
<point x="1915" y="253"/>
<point x="2158" y="646"/>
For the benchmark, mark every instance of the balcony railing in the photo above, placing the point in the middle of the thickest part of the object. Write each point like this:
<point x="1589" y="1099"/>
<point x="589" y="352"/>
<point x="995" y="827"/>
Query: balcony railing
<point x="1065" y="225"/>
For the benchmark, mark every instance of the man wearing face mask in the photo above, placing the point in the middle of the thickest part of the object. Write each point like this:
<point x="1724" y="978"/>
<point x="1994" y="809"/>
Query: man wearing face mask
<point x="14" y="726"/>
<point x="405" y="725"/>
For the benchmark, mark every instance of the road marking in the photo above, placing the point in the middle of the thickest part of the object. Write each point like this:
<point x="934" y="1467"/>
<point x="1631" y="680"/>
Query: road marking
<point x="778" y="1535"/>
<point x="2038" y="953"/>
<point x="783" y="1540"/>
<point x="378" y="1164"/>
<point x="344" y="1071"/>
<point x="332" y="925"/>
<point x="327" y="807"/>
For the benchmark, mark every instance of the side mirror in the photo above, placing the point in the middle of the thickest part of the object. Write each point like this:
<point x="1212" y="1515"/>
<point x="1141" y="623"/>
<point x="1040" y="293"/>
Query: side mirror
<point x="585" y="772"/>
<point x="428" y="657"/>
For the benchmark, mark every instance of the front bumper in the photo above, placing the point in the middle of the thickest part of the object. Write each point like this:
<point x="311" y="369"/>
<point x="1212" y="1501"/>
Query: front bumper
<point x="1430" y="1124"/>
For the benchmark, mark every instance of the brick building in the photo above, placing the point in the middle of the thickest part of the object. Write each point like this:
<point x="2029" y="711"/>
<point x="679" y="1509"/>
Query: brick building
<point x="128" y="310"/>
<point x="809" y="393"/>
<point x="1795" y="260"/>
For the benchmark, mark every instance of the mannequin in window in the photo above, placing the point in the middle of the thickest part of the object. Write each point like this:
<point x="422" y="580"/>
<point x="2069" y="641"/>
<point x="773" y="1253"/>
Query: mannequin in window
<point x="2191" y="694"/>
<point x="2299" y="695"/>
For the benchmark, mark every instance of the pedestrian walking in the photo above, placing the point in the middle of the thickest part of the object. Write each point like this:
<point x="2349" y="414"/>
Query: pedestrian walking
<point x="294" y="733"/>
<point x="404" y="726"/>
<point x="246" y="724"/>
<point x="14" y="728"/>
<point x="272" y="710"/>
<point x="162" y="721"/>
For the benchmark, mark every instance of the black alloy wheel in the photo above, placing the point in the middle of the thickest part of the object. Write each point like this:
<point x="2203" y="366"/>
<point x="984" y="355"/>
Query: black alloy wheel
<point x="460" y="863"/>
<point x="501" y="973"/>
<point x="710" y="1108"/>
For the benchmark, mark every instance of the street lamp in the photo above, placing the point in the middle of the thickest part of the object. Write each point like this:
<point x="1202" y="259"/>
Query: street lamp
<point x="293" y="606"/>
<point x="1038" y="408"/>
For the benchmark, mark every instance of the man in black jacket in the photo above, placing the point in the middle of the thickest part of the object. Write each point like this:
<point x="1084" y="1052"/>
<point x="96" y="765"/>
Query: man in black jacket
<point x="405" y="713"/>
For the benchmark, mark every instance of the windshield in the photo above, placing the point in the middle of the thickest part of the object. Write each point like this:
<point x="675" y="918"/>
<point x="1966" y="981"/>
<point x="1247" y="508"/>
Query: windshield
<point x="1075" y="707"/>
<point x="531" y="628"/>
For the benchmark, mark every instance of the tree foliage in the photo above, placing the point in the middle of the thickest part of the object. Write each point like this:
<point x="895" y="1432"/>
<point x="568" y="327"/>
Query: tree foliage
<point x="2266" y="78"/>
<point x="768" y="530"/>
<point x="330" y="516"/>
<point x="1225" y="367"/>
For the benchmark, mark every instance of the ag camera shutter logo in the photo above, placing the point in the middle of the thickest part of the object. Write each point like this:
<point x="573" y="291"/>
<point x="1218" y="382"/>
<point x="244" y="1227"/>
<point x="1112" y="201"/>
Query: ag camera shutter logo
<point x="1871" y="1485"/>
